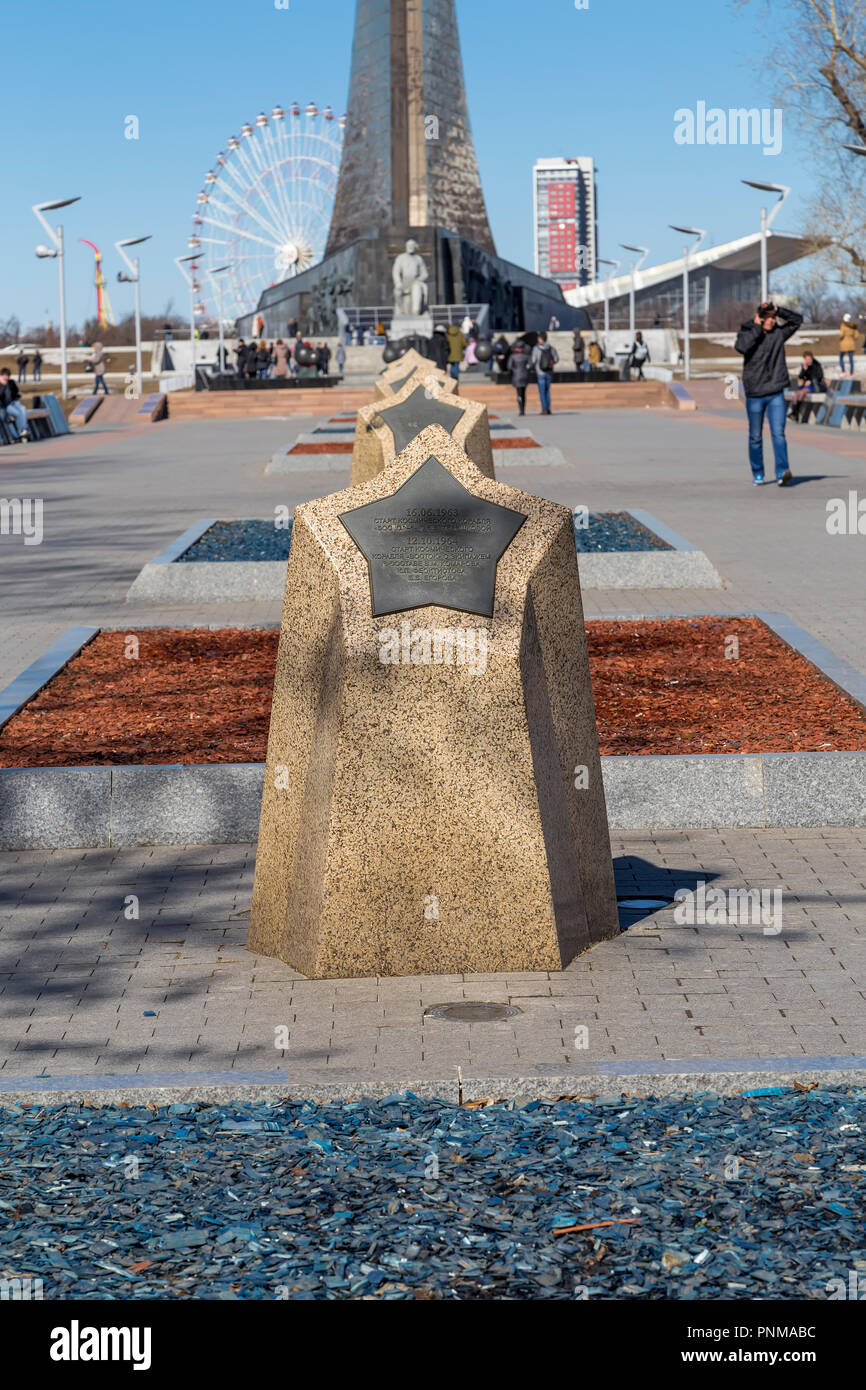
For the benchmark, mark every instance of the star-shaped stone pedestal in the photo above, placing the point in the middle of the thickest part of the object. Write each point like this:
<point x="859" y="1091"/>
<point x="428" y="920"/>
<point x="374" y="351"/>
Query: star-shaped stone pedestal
<point x="433" y="799"/>
<point x="383" y="431"/>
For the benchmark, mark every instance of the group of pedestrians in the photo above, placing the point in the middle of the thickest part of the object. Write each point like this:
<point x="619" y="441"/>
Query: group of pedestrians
<point x="523" y="358"/>
<point x="23" y="361"/>
<point x="281" y="359"/>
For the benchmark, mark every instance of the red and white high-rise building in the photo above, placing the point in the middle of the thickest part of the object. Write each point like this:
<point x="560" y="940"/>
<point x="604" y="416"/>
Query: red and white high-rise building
<point x="564" y="218"/>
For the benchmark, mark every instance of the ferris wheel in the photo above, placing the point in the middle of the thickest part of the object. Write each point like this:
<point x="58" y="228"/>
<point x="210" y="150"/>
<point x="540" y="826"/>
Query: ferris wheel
<point x="265" y="208"/>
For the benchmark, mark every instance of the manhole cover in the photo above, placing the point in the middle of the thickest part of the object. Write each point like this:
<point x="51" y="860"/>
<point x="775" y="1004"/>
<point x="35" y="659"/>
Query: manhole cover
<point x="643" y="904"/>
<point x="472" y="1011"/>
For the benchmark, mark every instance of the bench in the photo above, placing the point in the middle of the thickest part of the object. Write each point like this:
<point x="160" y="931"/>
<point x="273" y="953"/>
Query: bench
<point x="85" y="409"/>
<point x="809" y="412"/>
<point x="854" y="417"/>
<point x="153" y="406"/>
<point x="39" y="424"/>
<point x="57" y="419"/>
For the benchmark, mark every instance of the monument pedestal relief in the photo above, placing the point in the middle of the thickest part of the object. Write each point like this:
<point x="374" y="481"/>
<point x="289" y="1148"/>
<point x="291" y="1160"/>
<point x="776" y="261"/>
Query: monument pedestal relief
<point x="382" y="431"/>
<point x="433" y="799"/>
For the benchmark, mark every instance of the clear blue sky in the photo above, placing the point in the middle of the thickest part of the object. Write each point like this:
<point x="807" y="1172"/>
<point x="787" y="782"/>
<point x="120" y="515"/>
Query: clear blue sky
<point x="543" y="79"/>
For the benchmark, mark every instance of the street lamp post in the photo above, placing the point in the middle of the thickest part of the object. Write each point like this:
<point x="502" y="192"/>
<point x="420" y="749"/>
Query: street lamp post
<point x="783" y="190"/>
<point x="643" y="252"/>
<point x="214" y="275"/>
<point x="700" y="233"/>
<point x="180" y="262"/>
<point x="44" y="253"/>
<point x="604" y="260"/>
<point x="135" y="277"/>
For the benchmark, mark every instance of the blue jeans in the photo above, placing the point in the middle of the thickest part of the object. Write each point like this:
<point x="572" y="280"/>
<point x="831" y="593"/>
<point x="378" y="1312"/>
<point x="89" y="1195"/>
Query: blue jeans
<point x="774" y="409"/>
<point x="16" y="412"/>
<point x="850" y="356"/>
<point x="544" y="380"/>
<point x="454" y="369"/>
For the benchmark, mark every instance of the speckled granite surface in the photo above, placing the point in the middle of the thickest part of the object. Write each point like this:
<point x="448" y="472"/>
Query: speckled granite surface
<point x="396" y="374"/>
<point x="376" y="445"/>
<point x="424" y="819"/>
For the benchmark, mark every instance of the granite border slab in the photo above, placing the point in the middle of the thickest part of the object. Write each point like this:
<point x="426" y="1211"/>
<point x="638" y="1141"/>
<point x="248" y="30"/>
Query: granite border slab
<point x="691" y="1076"/>
<point x="52" y="660"/>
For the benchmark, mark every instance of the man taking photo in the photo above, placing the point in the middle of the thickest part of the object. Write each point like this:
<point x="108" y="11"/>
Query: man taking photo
<point x="765" y="380"/>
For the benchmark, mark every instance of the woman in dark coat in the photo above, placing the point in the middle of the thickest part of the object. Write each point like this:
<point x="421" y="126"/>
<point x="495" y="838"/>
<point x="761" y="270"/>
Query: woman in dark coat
<point x="519" y="365"/>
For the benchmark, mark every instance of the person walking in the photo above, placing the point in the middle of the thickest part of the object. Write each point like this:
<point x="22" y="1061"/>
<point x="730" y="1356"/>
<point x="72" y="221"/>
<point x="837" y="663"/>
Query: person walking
<point x="324" y="359"/>
<point x="340" y="359"/>
<point x="97" y="364"/>
<point x="501" y="350"/>
<point x="765" y="380"/>
<point x="439" y="347"/>
<point x="595" y="355"/>
<point x="519" y="363"/>
<point x="11" y="407"/>
<point x="281" y="359"/>
<point x="810" y="378"/>
<point x="544" y="359"/>
<point x="639" y="354"/>
<point x="457" y="342"/>
<point x="22" y="361"/>
<point x="241" y="357"/>
<point x="848" y="336"/>
<point x="37" y="366"/>
<point x="578" y="350"/>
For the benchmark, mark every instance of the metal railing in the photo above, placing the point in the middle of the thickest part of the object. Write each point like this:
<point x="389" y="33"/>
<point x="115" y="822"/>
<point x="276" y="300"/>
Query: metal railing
<point x="369" y="316"/>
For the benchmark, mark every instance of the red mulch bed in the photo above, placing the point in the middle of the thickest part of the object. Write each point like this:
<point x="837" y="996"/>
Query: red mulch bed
<point x="333" y="446"/>
<point x="515" y="441"/>
<point x="661" y="686"/>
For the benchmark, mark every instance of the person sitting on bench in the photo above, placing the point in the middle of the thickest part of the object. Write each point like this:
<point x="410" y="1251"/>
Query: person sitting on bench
<point x="810" y="378"/>
<point x="11" y="409"/>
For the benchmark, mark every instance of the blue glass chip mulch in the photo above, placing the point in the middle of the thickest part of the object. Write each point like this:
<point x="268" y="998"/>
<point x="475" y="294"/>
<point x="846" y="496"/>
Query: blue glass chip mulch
<point x="240" y="540"/>
<point x="262" y="540"/>
<point x="756" y="1196"/>
<point x="609" y="531"/>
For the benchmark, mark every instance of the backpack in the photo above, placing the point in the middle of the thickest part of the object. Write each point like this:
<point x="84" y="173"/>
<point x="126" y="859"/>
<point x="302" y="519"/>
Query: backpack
<point x="545" y="360"/>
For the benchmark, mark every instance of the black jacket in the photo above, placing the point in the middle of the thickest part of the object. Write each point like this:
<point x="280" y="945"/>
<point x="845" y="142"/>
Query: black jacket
<point x="519" y="363"/>
<point x="765" y="371"/>
<point x="439" y="350"/>
<point x="9" y="393"/>
<point x="813" y="374"/>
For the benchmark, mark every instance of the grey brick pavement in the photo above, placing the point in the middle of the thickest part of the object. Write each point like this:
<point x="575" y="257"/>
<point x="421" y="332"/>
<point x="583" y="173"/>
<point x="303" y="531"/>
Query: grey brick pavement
<point x="86" y="989"/>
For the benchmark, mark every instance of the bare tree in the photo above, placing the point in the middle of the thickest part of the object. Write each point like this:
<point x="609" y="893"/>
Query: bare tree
<point x="819" y="49"/>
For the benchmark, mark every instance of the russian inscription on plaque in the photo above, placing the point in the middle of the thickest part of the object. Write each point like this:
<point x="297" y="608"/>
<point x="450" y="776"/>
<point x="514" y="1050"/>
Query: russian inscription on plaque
<point x="432" y="542"/>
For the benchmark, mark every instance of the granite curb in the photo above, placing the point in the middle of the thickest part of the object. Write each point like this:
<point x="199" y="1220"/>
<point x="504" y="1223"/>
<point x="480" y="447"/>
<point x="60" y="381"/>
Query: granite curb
<point x="215" y="804"/>
<point x="721" y="1076"/>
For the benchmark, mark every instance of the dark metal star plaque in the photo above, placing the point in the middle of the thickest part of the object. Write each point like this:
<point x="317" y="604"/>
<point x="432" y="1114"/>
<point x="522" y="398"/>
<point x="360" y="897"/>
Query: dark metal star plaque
<point x="408" y="418"/>
<point x="398" y="385"/>
<point x="432" y="542"/>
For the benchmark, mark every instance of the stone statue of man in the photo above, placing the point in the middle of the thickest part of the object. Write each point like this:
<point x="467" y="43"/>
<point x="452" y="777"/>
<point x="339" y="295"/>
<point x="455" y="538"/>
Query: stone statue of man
<point x="410" y="281"/>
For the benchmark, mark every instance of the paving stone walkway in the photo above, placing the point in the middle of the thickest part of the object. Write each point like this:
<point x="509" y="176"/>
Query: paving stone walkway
<point x="88" y="988"/>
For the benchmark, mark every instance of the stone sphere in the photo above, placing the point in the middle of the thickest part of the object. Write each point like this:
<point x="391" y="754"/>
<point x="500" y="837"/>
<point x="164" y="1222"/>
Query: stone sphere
<point x="391" y="353"/>
<point x="306" y="356"/>
<point x="484" y="351"/>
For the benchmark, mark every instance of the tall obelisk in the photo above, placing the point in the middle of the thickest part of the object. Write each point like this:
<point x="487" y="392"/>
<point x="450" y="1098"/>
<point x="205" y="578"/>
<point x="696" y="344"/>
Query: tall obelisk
<point x="408" y="157"/>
